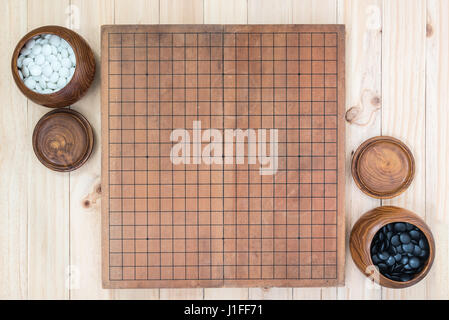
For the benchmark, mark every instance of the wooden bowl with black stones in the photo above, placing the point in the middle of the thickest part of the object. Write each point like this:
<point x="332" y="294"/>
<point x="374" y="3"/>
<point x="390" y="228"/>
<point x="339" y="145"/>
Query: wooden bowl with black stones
<point x="383" y="167"/>
<point x="63" y="140"/>
<point x="365" y="229"/>
<point x="84" y="74"/>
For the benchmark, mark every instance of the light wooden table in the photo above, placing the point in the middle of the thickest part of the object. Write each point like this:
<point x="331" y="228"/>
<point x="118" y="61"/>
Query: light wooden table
<point x="397" y="73"/>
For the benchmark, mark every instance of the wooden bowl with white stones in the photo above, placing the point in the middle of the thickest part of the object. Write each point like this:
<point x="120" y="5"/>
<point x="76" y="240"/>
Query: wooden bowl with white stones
<point x="82" y="77"/>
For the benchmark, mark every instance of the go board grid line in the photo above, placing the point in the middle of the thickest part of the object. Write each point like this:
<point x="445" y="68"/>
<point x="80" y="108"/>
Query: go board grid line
<point x="247" y="165"/>
<point x="324" y="147"/>
<point x="121" y="125"/>
<point x="274" y="185"/>
<point x="299" y="158"/>
<point x="185" y="172"/>
<point x="159" y="167"/>
<point x="222" y="154"/>
<point x="146" y="156"/>
<point x="286" y="159"/>
<point x="172" y="178"/>
<point x="311" y="201"/>
<point x="134" y="92"/>
<point x="197" y="170"/>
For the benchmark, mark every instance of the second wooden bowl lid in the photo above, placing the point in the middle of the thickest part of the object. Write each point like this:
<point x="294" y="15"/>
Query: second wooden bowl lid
<point x="383" y="167"/>
<point x="63" y="140"/>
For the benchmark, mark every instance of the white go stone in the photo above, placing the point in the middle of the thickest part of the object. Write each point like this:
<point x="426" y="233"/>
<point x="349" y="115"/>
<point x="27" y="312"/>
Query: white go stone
<point x="52" y="58"/>
<point x="25" y="51"/>
<point x="64" y="53"/>
<point x="20" y="61"/>
<point x="51" y="85"/>
<point x="54" y="77"/>
<point x="61" y="82"/>
<point x="35" y="70"/>
<point x="30" y="44"/>
<point x="30" y="83"/>
<point x="46" y="49"/>
<point x="27" y="61"/>
<point x="25" y="71"/>
<point x="56" y="65"/>
<point x="64" y="72"/>
<point x="66" y="62"/>
<point x="47" y="70"/>
<point x="40" y="59"/>
<point x="55" y="40"/>
<point x="36" y="49"/>
<point x="46" y="63"/>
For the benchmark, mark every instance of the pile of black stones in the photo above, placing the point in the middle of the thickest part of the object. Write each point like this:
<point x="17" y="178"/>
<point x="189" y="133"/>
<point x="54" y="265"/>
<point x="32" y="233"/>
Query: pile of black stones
<point x="400" y="251"/>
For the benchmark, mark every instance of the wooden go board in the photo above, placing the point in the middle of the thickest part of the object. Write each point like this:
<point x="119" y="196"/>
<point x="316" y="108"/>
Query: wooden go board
<point x="222" y="155"/>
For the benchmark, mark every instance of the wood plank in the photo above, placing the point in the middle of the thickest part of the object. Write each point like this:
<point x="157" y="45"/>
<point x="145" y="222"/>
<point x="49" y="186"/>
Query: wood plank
<point x="179" y="12"/>
<point x="269" y="12"/>
<point x="403" y="109"/>
<point x="312" y="11"/>
<point x="437" y="135"/>
<point x="14" y="158"/>
<point x="363" y="20"/>
<point x="224" y="12"/>
<point x="48" y="205"/>
<point x="85" y="187"/>
<point x="140" y="12"/>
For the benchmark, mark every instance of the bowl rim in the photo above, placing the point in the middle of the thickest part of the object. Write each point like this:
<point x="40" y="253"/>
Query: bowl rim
<point x="49" y="29"/>
<point x="89" y="136"/>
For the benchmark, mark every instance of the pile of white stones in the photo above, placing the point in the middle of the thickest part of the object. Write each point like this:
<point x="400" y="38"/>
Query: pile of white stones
<point x="46" y="63"/>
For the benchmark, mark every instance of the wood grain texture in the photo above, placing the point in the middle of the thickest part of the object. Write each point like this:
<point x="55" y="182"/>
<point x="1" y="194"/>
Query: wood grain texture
<point x="383" y="167"/>
<point x="48" y="211"/>
<point x="225" y="12"/>
<point x="437" y="135"/>
<point x="85" y="186"/>
<point x="364" y="74"/>
<point x="15" y="154"/>
<point x="403" y="102"/>
<point x="181" y="12"/>
<point x="363" y="20"/>
<point x="63" y="140"/>
<point x="118" y="274"/>
<point x="365" y="229"/>
<point x="140" y="12"/>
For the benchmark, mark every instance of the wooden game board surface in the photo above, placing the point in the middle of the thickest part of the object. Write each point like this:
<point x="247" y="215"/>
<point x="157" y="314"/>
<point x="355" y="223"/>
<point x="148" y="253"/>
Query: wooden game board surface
<point x="201" y="225"/>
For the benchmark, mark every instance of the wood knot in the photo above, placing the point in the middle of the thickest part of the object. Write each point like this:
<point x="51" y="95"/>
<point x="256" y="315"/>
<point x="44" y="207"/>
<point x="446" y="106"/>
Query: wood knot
<point x="86" y="203"/>
<point x="429" y="30"/>
<point x="352" y="113"/>
<point x="98" y="189"/>
<point x="375" y="101"/>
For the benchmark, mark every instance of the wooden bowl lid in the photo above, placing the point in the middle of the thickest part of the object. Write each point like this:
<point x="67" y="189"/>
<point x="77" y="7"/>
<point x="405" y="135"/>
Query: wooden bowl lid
<point x="383" y="167"/>
<point x="63" y="140"/>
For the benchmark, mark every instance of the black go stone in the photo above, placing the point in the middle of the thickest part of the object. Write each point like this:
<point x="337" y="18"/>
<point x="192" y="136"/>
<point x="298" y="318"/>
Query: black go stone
<point x="400" y="251"/>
